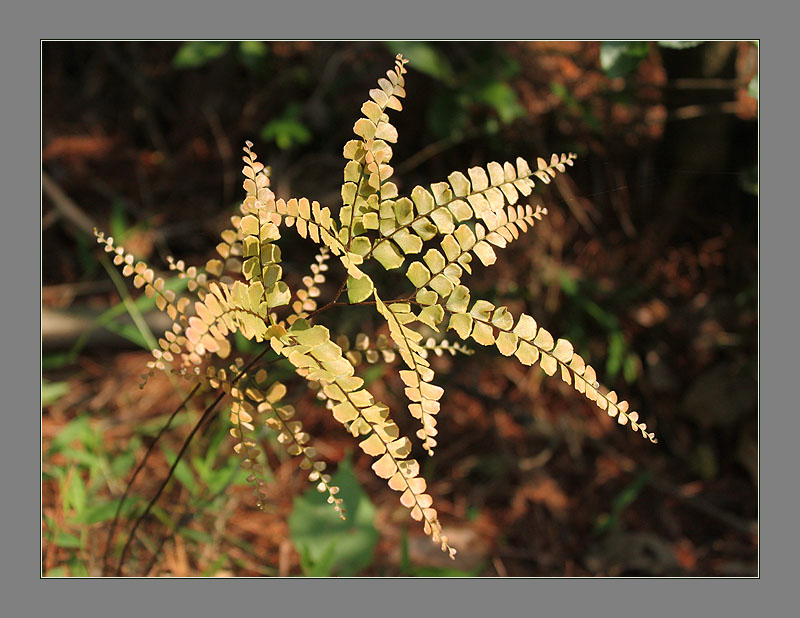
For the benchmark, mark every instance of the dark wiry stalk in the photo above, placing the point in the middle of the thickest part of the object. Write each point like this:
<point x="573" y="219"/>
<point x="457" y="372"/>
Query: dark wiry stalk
<point x="113" y="528"/>
<point x="186" y="442"/>
<point x="185" y="445"/>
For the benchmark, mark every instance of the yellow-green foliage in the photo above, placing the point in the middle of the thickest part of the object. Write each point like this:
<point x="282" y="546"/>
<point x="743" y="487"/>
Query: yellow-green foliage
<point x="432" y="235"/>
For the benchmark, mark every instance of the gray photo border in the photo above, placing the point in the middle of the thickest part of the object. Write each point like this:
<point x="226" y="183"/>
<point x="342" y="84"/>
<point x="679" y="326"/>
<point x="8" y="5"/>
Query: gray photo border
<point x="24" y="25"/>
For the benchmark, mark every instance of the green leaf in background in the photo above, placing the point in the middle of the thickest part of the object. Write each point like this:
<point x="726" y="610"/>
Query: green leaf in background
<point x="574" y="105"/>
<point x="118" y="221"/>
<point x="609" y="521"/>
<point x="182" y="471"/>
<point x="253" y="49"/>
<point x="447" y="115"/>
<point x="253" y="54"/>
<point x="56" y="572"/>
<point x="615" y="355"/>
<point x="327" y="544"/>
<point x="53" y="391"/>
<point x="74" y="492"/>
<point x="619" y="58"/>
<point x="193" y="54"/>
<point x="752" y="87"/>
<point x="64" y="539"/>
<point x="198" y="536"/>
<point x="372" y="373"/>
<point x="503" y="99"/>
<point x="77" y="429"/>
<point x="679" y="44"/>
<point x="287" y="130"/>
<point x="77" y="568"/>
<point x="105" y="511"/>
<point x="425" y="58"/>
<point x="123" y="462"/>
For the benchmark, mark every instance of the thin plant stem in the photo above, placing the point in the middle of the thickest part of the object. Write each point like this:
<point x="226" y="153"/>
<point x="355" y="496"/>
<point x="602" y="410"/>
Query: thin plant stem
<point x="205" y="416"/>
<point x="161" y="432"/>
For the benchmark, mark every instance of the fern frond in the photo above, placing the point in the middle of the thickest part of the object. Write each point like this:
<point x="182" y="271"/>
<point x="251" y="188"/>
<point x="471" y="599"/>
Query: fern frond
<point x="437" y="277"/>
<point x="241" y="418"/>
<point x="443" y="346"/>
<point x="242" y="307"/>
<point x="144" y="276"/>
<point x="258" y="196"/>
<point x="311" y="348"/>
<point x="365" y="350"/>
<point x="421" y="392"/>
<point x="260" y="402"/>
<point x="409" y="222"/>
<point x="305" y="299"/>
<point x="490" y="325"/>
<point x="367" y="173"/>
<point x="312" y="220"/>
<point x="291" y="435"/>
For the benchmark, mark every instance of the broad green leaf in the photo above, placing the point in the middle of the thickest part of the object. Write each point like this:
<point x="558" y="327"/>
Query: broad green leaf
<point x="619" y="58"/>
<point x="502" y="97"/>
<point x="64" y="539"/>
<point x="680" y="44"/>
<point x="344" y="547"/>
<point x="287" y="130"/>
<point x="75" y="492"/>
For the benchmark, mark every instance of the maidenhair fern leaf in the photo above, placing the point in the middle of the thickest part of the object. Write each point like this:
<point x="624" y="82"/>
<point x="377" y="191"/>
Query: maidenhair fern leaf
<point x="432" y="236"/>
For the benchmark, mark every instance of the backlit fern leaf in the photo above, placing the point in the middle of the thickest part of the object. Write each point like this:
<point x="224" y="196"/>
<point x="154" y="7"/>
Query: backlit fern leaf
<point x="432" y="235"/>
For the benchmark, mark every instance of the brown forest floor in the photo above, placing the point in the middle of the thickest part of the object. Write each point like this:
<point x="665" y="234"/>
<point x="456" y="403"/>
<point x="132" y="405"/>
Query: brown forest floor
<point x="651" y="225"/>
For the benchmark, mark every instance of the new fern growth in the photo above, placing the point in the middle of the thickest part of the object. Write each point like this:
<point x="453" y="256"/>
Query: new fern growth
<point x="430" y="236"/>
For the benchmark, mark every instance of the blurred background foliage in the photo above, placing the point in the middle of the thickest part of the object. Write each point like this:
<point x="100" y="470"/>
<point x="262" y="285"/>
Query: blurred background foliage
<point x="647" y="262"/>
